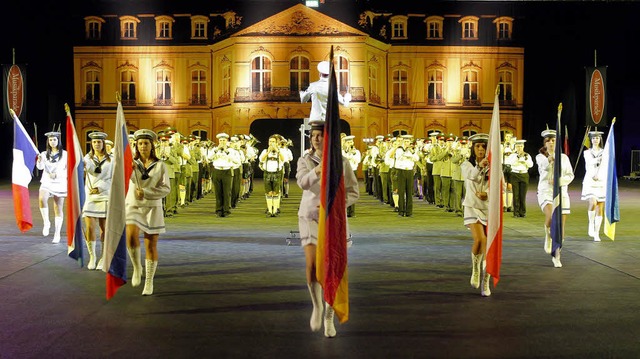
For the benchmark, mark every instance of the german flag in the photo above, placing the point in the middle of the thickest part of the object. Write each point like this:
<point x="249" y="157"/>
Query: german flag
<point x="331" y="252"/>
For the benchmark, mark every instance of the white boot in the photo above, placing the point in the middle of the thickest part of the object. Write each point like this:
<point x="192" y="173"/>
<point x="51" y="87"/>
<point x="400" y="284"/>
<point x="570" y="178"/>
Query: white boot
<point x="486" y="285"/>
<point x="476" y="259"/>
<point x="134" y="255"/>
<point x="58" y="227"/>
<point x="315" y="290"/>
<point x="45" y="220"/>
<point x="547" y="239"/>
<point x="91" y="249"/>
<point x="556" y="259"/>
<point x="329" y="328"/>
<point x="396" y="200"/>
<point x="269" y="204"/>
<point x="596" y="228"/>
<point x="592" y="215"/>
<point x="150" y="268"/>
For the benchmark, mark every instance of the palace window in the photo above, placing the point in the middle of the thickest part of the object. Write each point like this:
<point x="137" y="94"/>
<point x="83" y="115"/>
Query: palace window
<point x="342" y="75"/>
<point x="164" y="26"/>
<point x="261" y="74"/>
<point x="373" y="84"/>
<point x="92" y="88"/>
<point x="504" y="26"/>
<point x="470" y="87"/>
<point x="434" y="27"/>
<point x="163" y="87"/>
<point x="469" y="27"/>
<point x="226" y="83"/>
<point x="468" y="133"/>
<point x="298" y="73"/>
<point x="435" y="86"/>
<point x="93" y="27"/>
<point x="398" y="27"/>
<point x="128" y="87"/>
<point x="198" y="87"/>
<point x="199" y="27"/>
<point x="129" y="27"/>
<point x="400" y="86"/>
<point x="505" y="83"/>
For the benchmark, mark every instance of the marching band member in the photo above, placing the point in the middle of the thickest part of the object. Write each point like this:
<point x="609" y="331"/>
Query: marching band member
<point x="520" y="163"/>
<point x="148" y="185"/>
<point x="98" y="171"/>
<point x="53" y="183"/>
<point x="405" y="159"/>
<point x="545" y="161"/>
<point x="354" y="157"/>
<point x="286" y="169"/>
<point x="272" y="161"/>
<point x="223" y="160"/>
<point x="507" y="148"/>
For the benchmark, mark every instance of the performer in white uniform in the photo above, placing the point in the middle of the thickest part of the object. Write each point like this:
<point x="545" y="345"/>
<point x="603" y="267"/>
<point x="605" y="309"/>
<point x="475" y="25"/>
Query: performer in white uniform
<point x="318" y="93"/>
<point x="148" y="185"/>
<point x="308" y="177"/>
<point x="593" y="184"/>
<point x="53" y="183"/>
<point x="475" y="171"/>
<point x="545" y="160"/>
<point x="98" y="170"/>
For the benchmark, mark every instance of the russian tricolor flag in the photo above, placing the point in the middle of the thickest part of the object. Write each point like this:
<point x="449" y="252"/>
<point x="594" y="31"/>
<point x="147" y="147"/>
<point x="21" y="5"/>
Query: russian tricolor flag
<point x="115" y="249"/>
<point x="75" y="191"/>
<point x="24" y="159"/>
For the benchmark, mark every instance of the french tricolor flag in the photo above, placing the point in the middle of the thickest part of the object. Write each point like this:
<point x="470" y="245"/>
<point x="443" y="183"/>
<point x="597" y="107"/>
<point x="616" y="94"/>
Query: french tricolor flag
<point x="115" y="249"/>
<point x="75" y="191"/>
<point x="24" y="159"/>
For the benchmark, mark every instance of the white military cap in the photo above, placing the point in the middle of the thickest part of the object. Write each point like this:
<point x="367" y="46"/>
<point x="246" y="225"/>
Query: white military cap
<point x="350" y="137"/>
<point x="479" y="137"/>
<point x="407" y="137"/>
<point x="52" y="134"/>
<point x="97" y="135"/>
<point x="324" y="67"/>
<point x="144" y="133"/>
<point x="520" y="142"/>
<point x="317" y="124"/>
<point x="548" y="133"/>
<point x="222" y="135"/>
<point x="108" y="142"/>
<point x="595" y="133"/>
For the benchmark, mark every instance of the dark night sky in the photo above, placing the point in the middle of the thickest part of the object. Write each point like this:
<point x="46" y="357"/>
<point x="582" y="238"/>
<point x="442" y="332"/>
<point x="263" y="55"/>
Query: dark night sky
<point x="560" y="40"/>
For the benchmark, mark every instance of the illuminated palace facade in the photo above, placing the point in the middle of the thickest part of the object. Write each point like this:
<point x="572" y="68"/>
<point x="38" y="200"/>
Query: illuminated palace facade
<point x="206" y="73"/>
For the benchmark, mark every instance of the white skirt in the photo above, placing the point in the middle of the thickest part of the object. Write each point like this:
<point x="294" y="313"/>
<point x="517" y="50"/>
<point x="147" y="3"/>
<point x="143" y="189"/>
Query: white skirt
<point x="308" y="231"/>
<point x="149" y="219"/>
<point x="95" y="209"/>
<point x="474" y="215"/>
<point x="545" y="198"/>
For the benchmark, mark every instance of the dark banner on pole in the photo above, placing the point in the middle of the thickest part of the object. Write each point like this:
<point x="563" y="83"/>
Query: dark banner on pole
<point x="14" y="91"/>
<point x="596" y="102"/>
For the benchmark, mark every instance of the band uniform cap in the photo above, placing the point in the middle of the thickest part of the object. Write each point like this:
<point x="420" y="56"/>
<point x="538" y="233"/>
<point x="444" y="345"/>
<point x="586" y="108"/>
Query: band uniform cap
<point x="479" y="137"/>
<point x="108" y="142"/>
<point x="324" y="67"/>
<point x="406" y="137"/>
<point x="434" y="134"/>
<point x="163" y="137"/>
<point x="98" y="135"/>
<point x="520" y="142"/>
<point x="441" y="137"/>
<point x="595" y="133"/>
<point x="548" y="133"/>
<point x="222" y="135"/>
<point x="451" y="138"/>
<point x="234" y="139"/>
<point x="52" y="134"/>
<point x="349" y="137"/>
<point x="379" y="137"/>
<point x="170" y="130"/>
<point x="317" y="124"/>
<point x="145" y="133"/>
<point x="464" y="139"/>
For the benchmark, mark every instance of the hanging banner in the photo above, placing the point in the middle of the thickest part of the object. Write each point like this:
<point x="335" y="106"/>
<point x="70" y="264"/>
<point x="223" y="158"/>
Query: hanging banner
<point x="14" y="91"/>
<point x="596" y="101"/>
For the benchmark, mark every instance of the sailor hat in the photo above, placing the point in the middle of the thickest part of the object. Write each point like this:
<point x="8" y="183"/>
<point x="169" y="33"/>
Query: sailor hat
<point x="145" y="133"/>
<point x="52" y="134"/>
<point x="98" y="135"/>
<point x="548" y="133"/>
<point x="317" y="124"/>
<point x="479" y="137"/>
<point x="595" y="133"/>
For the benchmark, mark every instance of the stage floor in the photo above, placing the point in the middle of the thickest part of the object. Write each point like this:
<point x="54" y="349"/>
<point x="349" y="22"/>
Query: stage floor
<point x="232" y="288"/>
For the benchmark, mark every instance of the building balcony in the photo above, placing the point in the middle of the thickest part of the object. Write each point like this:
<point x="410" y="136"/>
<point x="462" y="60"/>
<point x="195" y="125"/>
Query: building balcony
<point x="471" y="102"/>
<point x="163" y="102"/>
<point x="87" y="102"/>
<point x="196" y="100"/>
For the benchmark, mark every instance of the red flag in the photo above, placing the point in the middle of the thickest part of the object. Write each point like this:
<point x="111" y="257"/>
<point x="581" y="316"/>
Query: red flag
<point x="115" y="250"/>
<point x="24" y="159"/>
<point x="75" y="191"/>
<point x="496" y="185"/>
<point x="566" y="141"/>
<point x="331" y="252"/>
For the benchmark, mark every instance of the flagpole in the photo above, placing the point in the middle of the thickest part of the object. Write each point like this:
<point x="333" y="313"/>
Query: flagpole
<point x="584" y="138"/>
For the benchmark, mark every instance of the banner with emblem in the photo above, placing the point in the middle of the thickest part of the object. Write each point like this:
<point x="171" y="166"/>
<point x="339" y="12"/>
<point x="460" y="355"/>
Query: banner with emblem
<point x="14" y="91"/>
<point x="596" y="101"/>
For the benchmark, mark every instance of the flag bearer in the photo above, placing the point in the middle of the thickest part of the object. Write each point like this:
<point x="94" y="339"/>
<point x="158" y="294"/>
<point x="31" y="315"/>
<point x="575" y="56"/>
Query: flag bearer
<point x="53" y="183"/>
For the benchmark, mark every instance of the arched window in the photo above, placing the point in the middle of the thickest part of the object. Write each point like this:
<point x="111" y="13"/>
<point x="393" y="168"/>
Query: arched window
<point x="128" y="87"/>
<point x="469" y="27"/>
<point x="298" y="73"/>
<point x="400" y="86"/>
<point x="434" y="27"/>
<point x="164" y="27"/>
<point x="93" y="27"/>
<point x="199" y="27"/>
<point x="92" y="87"/>
<point x="435" y="86"/>
<point x="504" y="27"/>
<point x="163" y="87"/>
<point x="261" y="74"/>
<point x="470" y="87"/>
<point x="505" y="83"/>
<point x="198" y="87"/>
<point x="129" y="27"/>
